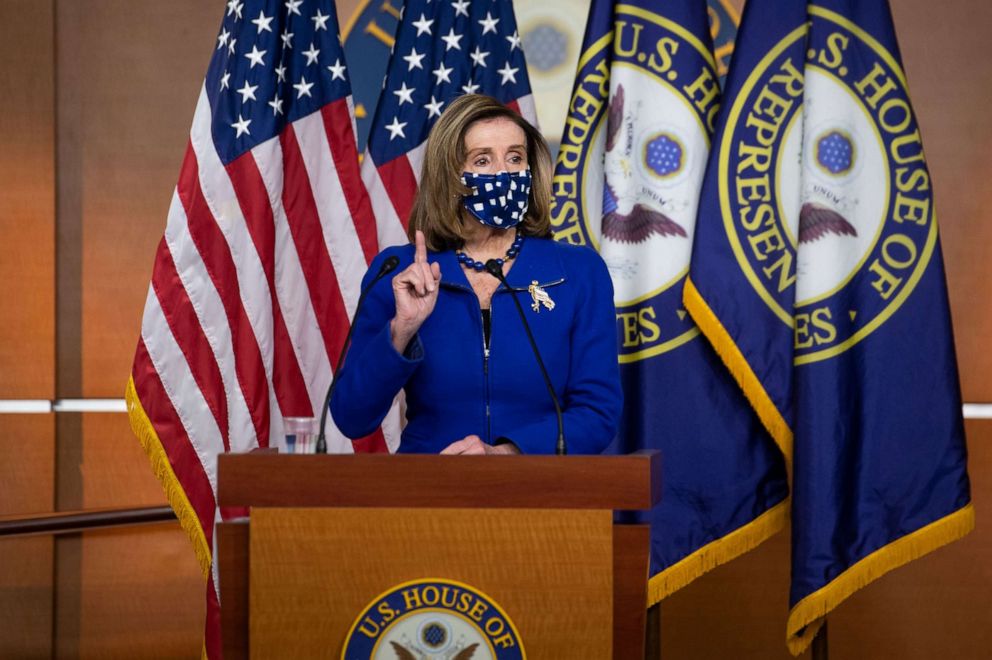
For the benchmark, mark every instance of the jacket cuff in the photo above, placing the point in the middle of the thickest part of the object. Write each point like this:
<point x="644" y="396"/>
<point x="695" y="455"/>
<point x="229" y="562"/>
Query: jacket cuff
<point x="537" y="438"/>
<point x="394" y="362"/>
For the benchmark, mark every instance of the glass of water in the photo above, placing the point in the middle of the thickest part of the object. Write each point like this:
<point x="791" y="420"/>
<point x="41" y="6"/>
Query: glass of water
<point x="299" y="435"/>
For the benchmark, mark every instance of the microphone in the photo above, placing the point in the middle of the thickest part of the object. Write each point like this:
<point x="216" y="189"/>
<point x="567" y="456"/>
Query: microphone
<point x="494" y="268"/>
<point x="388" y="266"/>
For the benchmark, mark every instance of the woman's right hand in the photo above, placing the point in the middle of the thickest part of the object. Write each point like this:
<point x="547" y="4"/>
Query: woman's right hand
<point x="415" y="290"/>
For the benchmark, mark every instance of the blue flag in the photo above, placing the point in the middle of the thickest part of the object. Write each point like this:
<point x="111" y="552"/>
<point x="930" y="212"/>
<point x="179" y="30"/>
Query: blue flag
<point x="817" y="274"/>
<point x="627" y="182"/>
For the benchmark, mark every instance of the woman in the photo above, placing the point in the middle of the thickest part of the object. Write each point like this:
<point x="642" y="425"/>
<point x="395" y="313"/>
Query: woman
<point x="445" y="330"/>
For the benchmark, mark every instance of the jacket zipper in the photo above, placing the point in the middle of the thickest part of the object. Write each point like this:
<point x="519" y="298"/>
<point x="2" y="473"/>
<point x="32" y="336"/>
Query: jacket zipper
<point x="485" y="367"/>
<point x="485" y="350"/>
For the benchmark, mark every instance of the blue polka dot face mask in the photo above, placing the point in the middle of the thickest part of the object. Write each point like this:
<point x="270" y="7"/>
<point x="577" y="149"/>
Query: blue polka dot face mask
<point x="497" y="200"/>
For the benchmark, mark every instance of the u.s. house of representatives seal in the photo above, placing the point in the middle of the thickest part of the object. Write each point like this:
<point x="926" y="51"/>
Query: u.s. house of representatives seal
<point x="433" y="619"/>
<point x="629" y="169"/>
<point x="824" y="189"/>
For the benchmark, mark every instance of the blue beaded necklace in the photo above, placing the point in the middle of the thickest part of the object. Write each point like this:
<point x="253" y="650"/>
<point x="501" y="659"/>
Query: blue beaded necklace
<point x="469" y="262"/>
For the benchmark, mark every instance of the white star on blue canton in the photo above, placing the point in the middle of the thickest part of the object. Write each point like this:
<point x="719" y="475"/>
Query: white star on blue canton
<point x="514" y="40"/>
<point x="479" y="57"/>
<point x="508" y="73"/>
<point x="247" y="92"/>
<point x="434" y="107"/>
<point x="276" y="105"/>
<point x="337" y="71"/>
<point x="225" y="80"/>
<point x="460" y="7"/>
<point x="488" y="24"/>
<point x="233" y="6"/>
<point x="405" y="93"/>
<point x="311" y="54"/>
<point x="230" y="46"/>
<point x="263" y="22"/>
<point x="470" y="88"/>
<point x="255" y="56"/>
<point x="451" y="40"/>
<point x="287" y="38"/>
<point x="423" y="25"/>
<point x="222" y="39"/>
<point x="396" y="129"/>
<point x="293" y="7"/>
<point x="303" y="88"/>
<point x="413" y="60"/>
<point x="241" y="126"/>
<point x="319" y="21"/>
<point x="281" y="73"/>
<point x="443" y="74"/>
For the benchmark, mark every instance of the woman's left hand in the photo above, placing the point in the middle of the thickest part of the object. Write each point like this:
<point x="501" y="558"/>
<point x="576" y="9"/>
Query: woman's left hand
<point x="473" y="444"/>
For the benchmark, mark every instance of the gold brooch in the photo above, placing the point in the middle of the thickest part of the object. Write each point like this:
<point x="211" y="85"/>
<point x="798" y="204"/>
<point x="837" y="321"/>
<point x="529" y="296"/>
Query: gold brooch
<point x="539" y="297"/>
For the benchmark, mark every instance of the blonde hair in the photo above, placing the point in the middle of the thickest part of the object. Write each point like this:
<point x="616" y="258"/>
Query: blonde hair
<point x="437" y="210"/>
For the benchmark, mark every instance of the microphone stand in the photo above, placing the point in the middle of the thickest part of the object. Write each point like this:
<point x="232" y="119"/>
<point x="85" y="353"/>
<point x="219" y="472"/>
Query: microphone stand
<point x="496" y="270"/>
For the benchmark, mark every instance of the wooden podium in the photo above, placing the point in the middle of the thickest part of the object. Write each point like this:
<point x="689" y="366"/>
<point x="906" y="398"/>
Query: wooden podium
<point x="328" y="535"/>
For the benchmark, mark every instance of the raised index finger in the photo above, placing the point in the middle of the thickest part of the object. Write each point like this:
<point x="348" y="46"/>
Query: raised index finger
<point x="420" y="256"/>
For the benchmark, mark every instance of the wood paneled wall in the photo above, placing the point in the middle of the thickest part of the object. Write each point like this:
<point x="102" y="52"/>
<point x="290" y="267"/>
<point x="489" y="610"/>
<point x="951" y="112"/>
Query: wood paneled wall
<point x="27" y="202"/>
<point x="950" y="82"/>
<point x="94" y="117"/>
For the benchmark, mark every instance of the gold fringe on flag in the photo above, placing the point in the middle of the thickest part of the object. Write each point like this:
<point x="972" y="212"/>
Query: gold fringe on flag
<point x="143" y="429"/>
<point x="732" y="357"/>
<point x="807" y="616"/>
<point x="718" y="552"/>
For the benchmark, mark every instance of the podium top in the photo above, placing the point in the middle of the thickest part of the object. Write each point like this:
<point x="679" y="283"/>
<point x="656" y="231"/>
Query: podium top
<point x="631" y="481"/>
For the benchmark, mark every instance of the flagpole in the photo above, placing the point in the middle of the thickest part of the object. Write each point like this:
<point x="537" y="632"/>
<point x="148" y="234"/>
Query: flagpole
<point x="820" y="651"/>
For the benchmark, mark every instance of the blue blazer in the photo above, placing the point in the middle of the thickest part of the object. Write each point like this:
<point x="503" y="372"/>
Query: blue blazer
<point x="453" y="389"/>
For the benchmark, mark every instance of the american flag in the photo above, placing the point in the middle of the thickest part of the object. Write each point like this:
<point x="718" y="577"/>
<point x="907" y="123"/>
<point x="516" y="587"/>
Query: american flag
<point x="443" y="49"/>
<point x="269" y="233"/>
